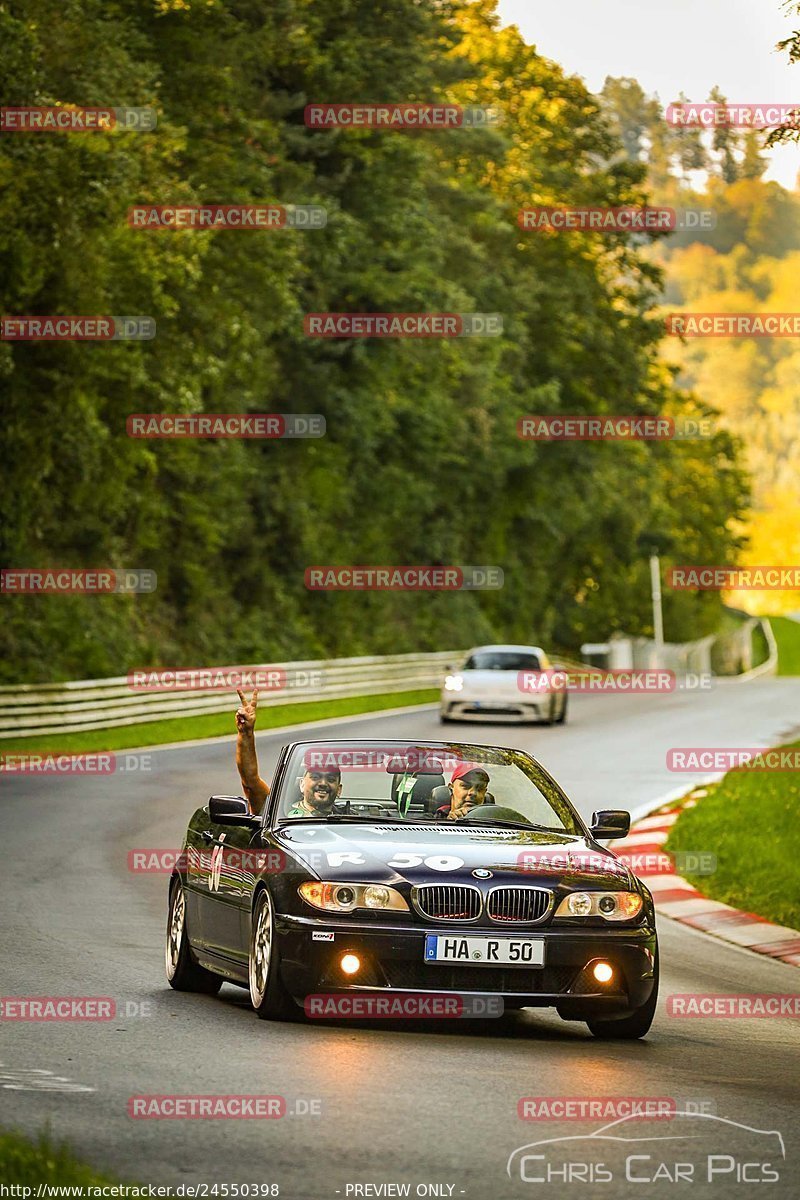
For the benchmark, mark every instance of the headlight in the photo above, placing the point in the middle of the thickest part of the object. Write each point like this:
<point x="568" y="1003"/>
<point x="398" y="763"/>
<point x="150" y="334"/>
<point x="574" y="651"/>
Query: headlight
<point x="612" y="906"/>
<point x="345" y="897"/>
<point x="453" y="683"/>
<point x="579" y="904"/>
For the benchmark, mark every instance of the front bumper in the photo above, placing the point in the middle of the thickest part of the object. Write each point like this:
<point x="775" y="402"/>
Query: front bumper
<point x="393" y="961"/>
<point x="468" y="708"/>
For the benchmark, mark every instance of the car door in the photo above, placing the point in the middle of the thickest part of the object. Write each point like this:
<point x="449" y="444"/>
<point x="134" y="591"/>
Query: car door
<point x="225" y="901"/>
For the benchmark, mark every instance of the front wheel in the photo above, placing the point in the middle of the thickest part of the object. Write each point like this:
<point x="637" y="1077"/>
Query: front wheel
<point x="634" y="1026"/>
<point x="268" y="995"/>
<point x="183" y="973"/>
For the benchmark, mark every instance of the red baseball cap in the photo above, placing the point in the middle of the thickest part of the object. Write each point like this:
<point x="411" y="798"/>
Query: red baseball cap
<point x="464" y="768"/>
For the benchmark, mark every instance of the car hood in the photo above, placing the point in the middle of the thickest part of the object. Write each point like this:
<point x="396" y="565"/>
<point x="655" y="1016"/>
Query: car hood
<point x="489" y="681"/>
<point x="388" y="853"/>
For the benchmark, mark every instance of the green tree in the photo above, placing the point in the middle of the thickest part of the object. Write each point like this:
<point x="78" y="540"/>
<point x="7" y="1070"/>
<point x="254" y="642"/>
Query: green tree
<point x="726" y="141"/>
<point x="420" y="462"/>
<point x="789" y="132"/>
<point x="691" y="151"/>
<point x="628" y="110"/>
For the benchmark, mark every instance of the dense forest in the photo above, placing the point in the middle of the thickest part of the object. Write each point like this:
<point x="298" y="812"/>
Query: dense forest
<point x="747" y="261"/>
<point x="421" y="462"/>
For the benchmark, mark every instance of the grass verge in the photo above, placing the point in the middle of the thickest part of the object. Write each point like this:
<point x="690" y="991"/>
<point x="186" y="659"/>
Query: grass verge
<point x="751" y="821"/>
<point x="787" y="635"/>
<point x="23" y="1161"/>
<point x="154" y="733"/>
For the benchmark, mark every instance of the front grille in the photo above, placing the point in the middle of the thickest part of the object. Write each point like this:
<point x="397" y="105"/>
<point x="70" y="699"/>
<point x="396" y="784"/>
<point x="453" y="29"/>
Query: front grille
<point x="494" y="709"/>
<point x="447" y="902"/>
<point x="512" y="904"/>
<point x="426" y="976"/>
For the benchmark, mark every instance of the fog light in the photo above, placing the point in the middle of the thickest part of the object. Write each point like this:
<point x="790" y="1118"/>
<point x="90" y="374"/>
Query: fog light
<point x="350" y="964"/>
<point x="602" y="972"/>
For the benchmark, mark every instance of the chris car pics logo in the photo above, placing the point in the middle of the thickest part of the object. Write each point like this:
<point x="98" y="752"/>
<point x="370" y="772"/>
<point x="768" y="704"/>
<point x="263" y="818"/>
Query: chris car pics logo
<point x="689" y="1147"/>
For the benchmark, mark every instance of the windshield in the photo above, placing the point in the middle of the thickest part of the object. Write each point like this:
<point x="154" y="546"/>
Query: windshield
<point x="357" y="781"/>
<point x="502" y="660"/>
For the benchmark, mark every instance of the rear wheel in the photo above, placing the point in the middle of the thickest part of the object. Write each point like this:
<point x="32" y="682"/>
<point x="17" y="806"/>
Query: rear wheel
<point x="268" y="995"/>
<point x="183" y="973"/>
<point x="634" y="1026"/>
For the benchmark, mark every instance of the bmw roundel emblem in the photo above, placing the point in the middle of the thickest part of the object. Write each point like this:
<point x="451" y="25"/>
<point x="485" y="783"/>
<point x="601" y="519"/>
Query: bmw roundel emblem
<point x="482" y="873"/>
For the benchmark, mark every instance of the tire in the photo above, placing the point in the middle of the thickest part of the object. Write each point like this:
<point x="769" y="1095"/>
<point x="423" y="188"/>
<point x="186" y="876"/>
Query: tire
<point x="183" y="973"/>
<point x="561" y="719"/>
<point x="268" y="995"/>
<point x="634" y="1026"/>
<point x="445" y="720"/>
<point x="551" y="718"/>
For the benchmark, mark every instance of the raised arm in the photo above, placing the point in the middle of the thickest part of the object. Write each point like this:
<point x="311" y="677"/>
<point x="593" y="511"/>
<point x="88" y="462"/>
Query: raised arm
<point x="253" y="785"/>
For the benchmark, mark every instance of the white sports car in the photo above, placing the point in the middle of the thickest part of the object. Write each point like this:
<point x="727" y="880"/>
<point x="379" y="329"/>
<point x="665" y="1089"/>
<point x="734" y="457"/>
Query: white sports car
<point x="487" y="686"/>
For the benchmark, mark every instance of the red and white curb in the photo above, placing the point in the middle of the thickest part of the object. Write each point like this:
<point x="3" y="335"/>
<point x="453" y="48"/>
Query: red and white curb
<point x="676" y="898"/>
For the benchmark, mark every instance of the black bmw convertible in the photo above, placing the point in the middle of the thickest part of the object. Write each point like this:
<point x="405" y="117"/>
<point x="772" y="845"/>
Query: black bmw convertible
<point x="428" y="869"/>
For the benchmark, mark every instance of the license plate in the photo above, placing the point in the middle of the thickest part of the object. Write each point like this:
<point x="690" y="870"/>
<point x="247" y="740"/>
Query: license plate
<point x="484" y="951"/>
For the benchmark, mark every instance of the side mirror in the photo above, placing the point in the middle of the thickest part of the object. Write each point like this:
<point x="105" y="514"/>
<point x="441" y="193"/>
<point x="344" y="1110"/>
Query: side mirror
<point x="610" y="823"/>
<point x="230" y="810"/>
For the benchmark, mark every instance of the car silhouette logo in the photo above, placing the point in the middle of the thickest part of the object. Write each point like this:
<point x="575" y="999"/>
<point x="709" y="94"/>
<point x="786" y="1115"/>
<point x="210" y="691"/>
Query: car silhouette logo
<point x="482" y="873"/>
<point x="702" y="1126"/>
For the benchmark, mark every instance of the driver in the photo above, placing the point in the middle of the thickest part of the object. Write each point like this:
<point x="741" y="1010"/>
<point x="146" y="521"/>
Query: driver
<point x="468" y="785"/>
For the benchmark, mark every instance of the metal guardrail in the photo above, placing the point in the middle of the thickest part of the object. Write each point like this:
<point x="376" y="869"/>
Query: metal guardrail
<point x="728" y="654"/>
<point x="88" y="704"/>
<point x="770" y="664"/>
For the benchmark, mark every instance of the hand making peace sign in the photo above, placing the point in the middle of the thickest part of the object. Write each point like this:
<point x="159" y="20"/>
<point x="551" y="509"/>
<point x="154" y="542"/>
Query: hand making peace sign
<point x="246" y="713"/>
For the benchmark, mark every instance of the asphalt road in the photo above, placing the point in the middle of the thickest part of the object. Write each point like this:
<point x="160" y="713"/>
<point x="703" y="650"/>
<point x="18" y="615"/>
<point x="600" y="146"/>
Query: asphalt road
<point x="416" y="1104"/>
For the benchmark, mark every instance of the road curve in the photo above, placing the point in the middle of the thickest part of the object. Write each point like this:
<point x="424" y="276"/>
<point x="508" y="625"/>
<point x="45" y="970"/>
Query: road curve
<point x="417" y="1104"/>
